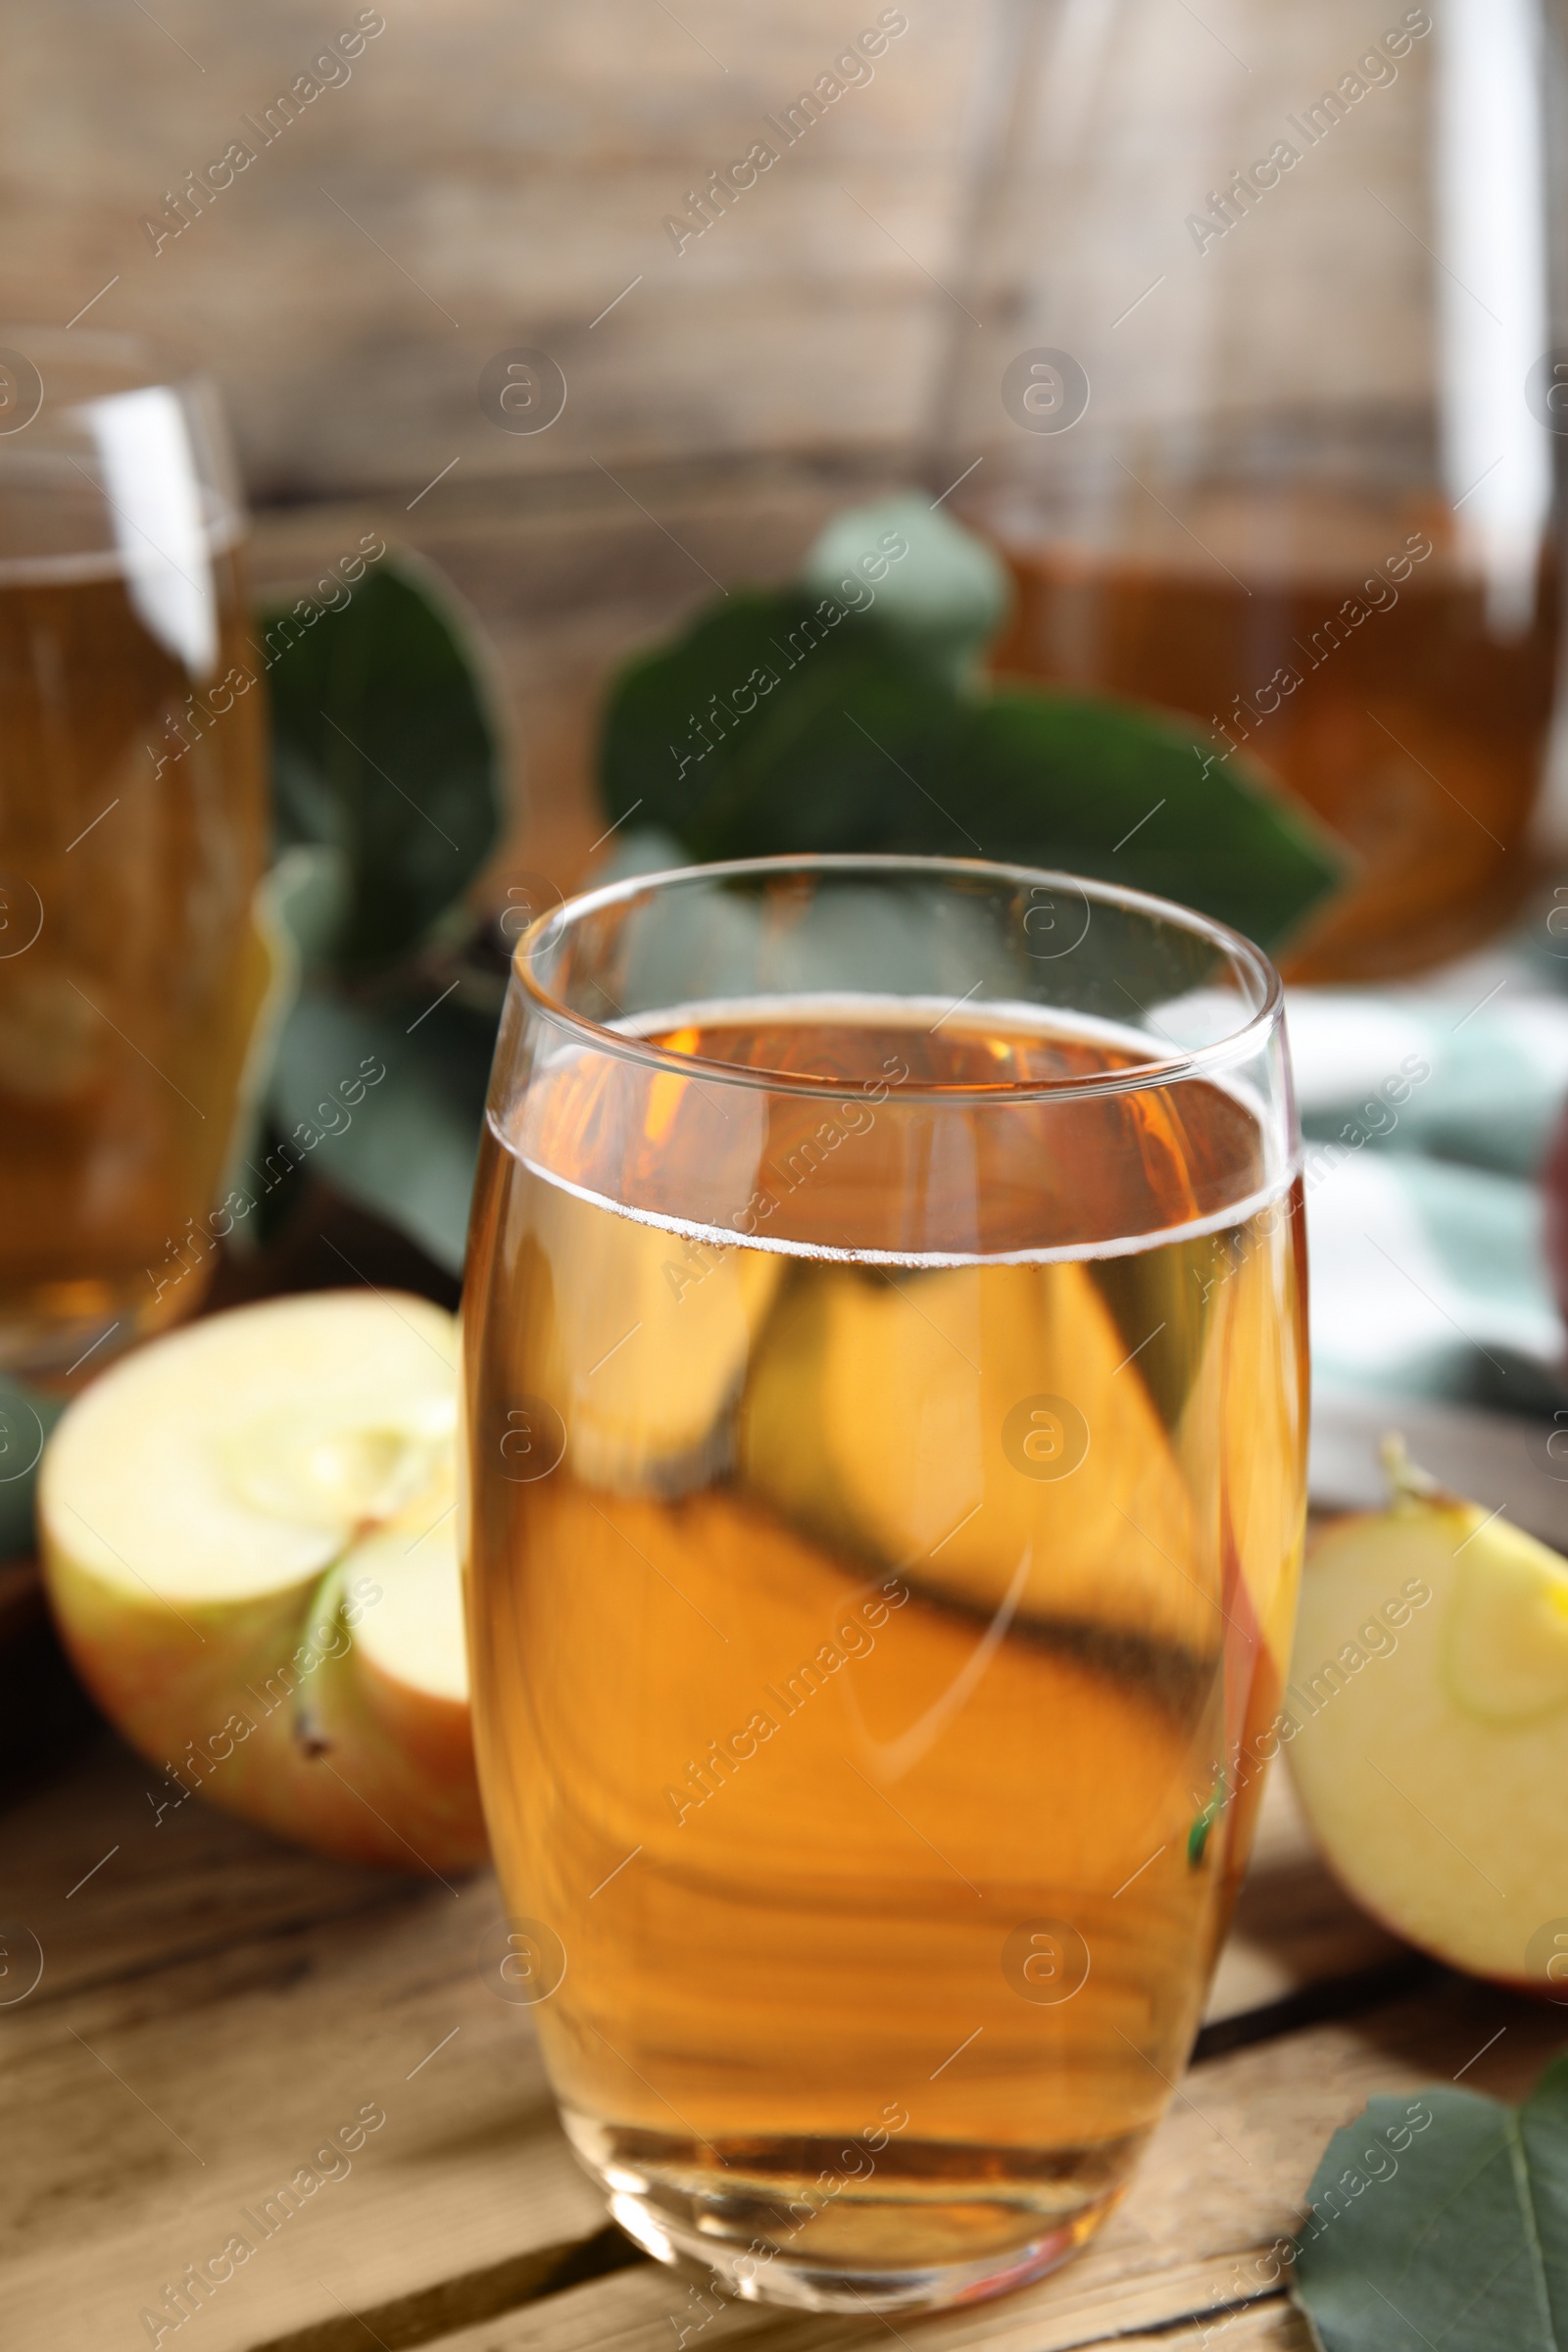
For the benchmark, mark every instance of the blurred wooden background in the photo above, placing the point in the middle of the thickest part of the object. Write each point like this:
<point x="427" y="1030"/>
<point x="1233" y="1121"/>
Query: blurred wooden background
<point x="476" y="177"/>
<point x="490" y="176"/>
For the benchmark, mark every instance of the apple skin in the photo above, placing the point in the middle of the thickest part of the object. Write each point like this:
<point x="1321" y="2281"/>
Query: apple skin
<point x="351" y="1761"/>
<point x="1431" y="1774"/>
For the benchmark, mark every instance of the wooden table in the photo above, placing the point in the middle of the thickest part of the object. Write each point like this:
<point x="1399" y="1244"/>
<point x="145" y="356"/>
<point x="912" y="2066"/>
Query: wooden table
<point x="212" y="2005"/>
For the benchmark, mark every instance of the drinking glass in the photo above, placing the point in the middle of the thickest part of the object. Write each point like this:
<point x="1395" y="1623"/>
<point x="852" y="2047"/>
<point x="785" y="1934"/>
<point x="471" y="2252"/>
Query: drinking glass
<point x="131" y="833"/>
<point x="886" y="1396"/>
<point x="1259" y="382"/>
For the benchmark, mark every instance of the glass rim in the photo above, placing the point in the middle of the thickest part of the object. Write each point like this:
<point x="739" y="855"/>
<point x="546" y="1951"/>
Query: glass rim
<point x="1184" y="1063"/>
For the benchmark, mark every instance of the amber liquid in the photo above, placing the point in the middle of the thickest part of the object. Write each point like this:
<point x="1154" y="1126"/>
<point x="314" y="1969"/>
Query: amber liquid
<point x="131" y="969"/>
<point x="836" y="1709"/>
<point x="1417" y="732"/>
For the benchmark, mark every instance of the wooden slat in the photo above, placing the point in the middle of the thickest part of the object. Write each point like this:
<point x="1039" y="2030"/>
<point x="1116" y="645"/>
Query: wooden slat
<point x="112" y="1893"/>
<point x="1273" y="2325"/>
<point x="212" y="2005"/>
<point x="253" y="1997"/>
<point x="157" y="2108"/>
<point x="1224" y="2178"/>
<point x="634" y="2314"/>
<point x="614" y="2317"/>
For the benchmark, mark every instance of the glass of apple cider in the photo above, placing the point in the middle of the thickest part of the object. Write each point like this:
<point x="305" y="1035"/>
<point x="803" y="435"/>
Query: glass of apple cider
<point x="133" y="813"/>
<point x="886" y="1401"/>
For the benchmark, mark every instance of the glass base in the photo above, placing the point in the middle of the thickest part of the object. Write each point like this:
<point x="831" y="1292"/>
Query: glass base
<point x="940" y="2226"/>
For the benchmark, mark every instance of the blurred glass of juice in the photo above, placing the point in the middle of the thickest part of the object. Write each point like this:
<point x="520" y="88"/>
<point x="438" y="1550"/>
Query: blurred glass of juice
<point x="1347" y="645"/>
<point x="132" y="839"/>
<point x="1256" y="373"/>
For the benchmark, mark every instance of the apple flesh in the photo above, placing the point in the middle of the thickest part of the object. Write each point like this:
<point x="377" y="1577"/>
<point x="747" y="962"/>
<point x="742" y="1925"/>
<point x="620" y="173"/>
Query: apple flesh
<point x="247" y="1532"/>
<point x="1429" y="1688"/>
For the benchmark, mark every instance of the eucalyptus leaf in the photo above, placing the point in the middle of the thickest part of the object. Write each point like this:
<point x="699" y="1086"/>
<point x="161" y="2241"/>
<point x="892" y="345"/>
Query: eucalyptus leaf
<point x="1122" y="795"/>
<point x="384" y="1103"/>
<point x="385" y="751"/>
<point x="788" y="722"/>
<point x="307" y="895"/>
<point x="736" y="740"/>
<point x="403" y="1142"/>
<point x="945" y="597"/>
<point x="1449" y="2230"/>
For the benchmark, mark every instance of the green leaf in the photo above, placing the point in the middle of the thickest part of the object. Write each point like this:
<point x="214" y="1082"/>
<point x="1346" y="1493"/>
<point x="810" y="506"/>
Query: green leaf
<point x="787" y="723"/>
<point x="719" y="736"/>
<point x="1120" y="794"/>
<point x="402" y="1144"/>
<point x="945" y="597"/>
<point x="386" y="750"/>
<point x="1450" y="2230"/>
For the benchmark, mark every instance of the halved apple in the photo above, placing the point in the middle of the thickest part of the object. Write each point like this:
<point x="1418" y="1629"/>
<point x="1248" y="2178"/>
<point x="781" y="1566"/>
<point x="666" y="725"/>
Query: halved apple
<point x="1430" y="1691"/>
<point x="248" y="1539"/>
<point x="648" y="1340"/>
<point x="885" y="1417"/>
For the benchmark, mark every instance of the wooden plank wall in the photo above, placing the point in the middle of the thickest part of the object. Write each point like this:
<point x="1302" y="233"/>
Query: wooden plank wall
<point x="481" y="175"/>
<point x="490" y="174"/>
